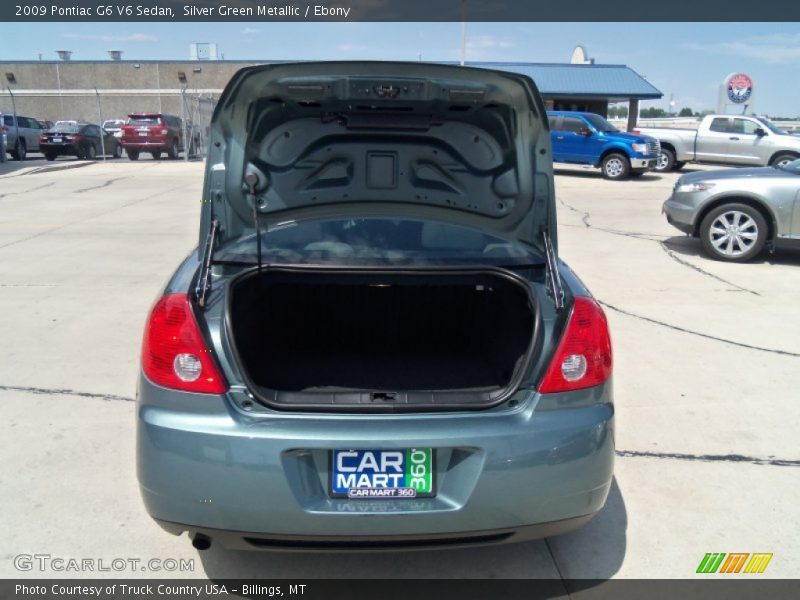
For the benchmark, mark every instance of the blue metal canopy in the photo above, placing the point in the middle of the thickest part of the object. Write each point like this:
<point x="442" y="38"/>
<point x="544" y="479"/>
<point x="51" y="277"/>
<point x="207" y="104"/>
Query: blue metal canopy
<point x="613" y="82"/>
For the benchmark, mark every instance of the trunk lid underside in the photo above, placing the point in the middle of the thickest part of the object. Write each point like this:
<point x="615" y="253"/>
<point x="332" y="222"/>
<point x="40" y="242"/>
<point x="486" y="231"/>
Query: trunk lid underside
<point x="398" y="140"/>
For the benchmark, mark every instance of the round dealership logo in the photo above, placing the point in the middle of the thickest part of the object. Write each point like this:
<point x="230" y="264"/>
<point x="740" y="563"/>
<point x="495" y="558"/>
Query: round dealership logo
<point x="740" y="88"/>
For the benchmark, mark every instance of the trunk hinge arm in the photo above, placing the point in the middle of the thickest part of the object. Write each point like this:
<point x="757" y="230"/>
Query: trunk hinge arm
<point x="251" y="180"/>
<point x="204" y="281"/>
<point x="553" y="278"/>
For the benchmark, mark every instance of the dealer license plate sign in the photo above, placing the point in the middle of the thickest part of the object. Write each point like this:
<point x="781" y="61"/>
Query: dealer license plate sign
<point x="376" y="474"/>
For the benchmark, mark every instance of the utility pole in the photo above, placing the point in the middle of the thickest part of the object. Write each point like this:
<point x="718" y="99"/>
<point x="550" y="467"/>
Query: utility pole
<point x="183" y="122"/>
<point x="100" y="117"/>
<point x="158" y="85"/>
<point x="60" y="97"/>
<point x="16" y="121"/>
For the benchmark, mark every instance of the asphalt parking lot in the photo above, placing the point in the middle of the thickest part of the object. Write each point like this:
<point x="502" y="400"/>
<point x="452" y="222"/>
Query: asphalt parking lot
<point x="706" y="380"/>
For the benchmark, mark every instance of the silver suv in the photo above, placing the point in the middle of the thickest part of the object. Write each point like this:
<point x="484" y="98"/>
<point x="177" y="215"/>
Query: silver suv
<point x="21" y="136"/>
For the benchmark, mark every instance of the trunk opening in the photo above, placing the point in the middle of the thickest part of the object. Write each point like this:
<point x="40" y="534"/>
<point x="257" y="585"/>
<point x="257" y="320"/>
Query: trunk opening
<point x="320" y="339"/>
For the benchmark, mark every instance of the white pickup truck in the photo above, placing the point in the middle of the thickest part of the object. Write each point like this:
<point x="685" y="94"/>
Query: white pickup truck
<point x="725" y="139"/>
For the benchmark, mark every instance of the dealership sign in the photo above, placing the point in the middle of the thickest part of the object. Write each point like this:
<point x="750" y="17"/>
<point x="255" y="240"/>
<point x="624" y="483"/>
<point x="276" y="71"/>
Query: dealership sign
<point x="739" y="88"/>
<point x="736" y="94"/>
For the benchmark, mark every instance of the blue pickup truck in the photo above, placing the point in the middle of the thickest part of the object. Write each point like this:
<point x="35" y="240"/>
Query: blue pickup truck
<point x="584" y="138"/>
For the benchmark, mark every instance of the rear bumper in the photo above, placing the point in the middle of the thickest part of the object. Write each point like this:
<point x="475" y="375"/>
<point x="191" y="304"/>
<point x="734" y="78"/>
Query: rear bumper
<point x="63" y="148"/>
<point x="204" y="465"/>
<point x="146" y="146"/>
<point x="241" y="540"/>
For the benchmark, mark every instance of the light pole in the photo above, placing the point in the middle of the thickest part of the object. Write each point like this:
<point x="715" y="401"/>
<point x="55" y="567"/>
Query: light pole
<point x="10" y="78"/>
<point x="100" y="117"/>
<point x="183" y="81"/>
<point x="63" y="55"/>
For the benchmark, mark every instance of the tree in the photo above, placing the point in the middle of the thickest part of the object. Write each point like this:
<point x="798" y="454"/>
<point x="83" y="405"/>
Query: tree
<point x="686" y="112"/>
<point x="618" y="112"/>
<point x="653" y="113"/>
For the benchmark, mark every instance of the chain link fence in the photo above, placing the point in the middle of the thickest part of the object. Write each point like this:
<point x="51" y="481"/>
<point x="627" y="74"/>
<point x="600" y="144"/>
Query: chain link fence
<point x="196" y="111"/>
<point x="194" y="107"/>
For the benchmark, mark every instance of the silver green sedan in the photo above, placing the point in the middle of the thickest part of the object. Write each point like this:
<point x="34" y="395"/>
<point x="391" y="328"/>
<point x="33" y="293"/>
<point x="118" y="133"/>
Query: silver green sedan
<point x="737" y="213"/>
<point x="376" y="344"/>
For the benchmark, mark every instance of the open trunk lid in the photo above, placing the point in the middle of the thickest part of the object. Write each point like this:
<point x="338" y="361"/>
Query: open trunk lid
<point x="443" y="143"/>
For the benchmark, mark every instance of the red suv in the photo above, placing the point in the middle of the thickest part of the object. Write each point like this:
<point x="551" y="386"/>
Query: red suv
<point x="154" y="133"/>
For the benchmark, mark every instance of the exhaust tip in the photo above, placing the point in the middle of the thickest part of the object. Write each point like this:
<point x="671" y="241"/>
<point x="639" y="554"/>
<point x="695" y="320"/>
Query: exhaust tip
<point x="201" y="542"/>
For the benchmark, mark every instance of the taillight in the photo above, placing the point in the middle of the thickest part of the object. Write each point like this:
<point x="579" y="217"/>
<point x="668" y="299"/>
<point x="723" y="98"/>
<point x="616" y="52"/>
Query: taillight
<point x="583" y="358"/>
<point x="42" y="138"/>
<point x="174" y="354"/>
<point x="635" y="131"/>
<point x="5" y="128"/>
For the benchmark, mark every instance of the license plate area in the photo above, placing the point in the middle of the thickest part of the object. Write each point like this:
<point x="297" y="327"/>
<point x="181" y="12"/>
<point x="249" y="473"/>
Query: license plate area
<point x="370" y="474"/>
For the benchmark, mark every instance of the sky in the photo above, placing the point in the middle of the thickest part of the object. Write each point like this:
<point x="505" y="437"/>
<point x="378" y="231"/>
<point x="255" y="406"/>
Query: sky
<point x="686" y="61"/>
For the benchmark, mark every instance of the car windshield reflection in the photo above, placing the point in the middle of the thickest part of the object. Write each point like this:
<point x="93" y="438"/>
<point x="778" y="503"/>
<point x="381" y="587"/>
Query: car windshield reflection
<point x="373" y="241"/>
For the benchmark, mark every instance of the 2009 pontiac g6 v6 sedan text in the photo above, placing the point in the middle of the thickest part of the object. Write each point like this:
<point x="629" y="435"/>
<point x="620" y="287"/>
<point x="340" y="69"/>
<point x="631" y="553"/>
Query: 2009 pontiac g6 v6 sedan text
<point x="375" y="344"/>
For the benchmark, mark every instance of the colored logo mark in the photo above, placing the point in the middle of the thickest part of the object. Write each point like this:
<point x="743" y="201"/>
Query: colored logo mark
<point x="734" y="562"/>
<point x="740" y="88"/>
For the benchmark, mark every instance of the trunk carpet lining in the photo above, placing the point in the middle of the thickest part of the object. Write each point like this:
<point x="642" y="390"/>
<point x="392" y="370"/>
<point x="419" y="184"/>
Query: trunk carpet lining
<point x="298" y="335"/>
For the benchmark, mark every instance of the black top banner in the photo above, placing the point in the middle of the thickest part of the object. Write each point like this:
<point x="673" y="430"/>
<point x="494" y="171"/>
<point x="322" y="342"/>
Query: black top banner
<point x="399" y="10"/>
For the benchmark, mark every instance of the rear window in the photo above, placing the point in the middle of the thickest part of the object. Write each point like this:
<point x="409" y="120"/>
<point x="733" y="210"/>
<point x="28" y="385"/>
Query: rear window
<point x="572" y="124"/>
<point x="375" y="242"/>
<point x="66" y="128"/>
<point x="8" y="120"/>
<point x="141" y="121"/>
<point x="719" y="125"/>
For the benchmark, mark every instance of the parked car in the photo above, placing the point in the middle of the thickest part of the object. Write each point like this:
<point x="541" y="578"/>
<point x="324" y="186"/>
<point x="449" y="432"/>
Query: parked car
<point x="737" y="212"/>
<point x="22" y="135"/>
<point x="725" y="139"/>
<point x="155" y="133"/>
<point x="583" y="138"/>
<point x="82" y="140"/>
<point x="389" y="350"/>
<point x="114" y="126"/>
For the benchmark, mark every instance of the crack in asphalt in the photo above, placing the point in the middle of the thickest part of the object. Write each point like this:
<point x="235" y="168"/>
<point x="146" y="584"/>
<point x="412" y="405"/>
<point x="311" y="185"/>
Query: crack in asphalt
<point x="47" y="169"/>
<point x="585" y="215"/>
<point x="676" y="258"/>
<point x="699" y="334"/>
<point x="734" y="458"/>
<point x="664" y="246"/>
<point x="102" y="185"/>
<point x="33" y="189"/>
<point x="63" y="392"/>
<point x="100" y="214"/>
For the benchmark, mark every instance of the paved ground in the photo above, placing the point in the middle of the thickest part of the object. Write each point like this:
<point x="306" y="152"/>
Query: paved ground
<point x="707" y="364"/>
